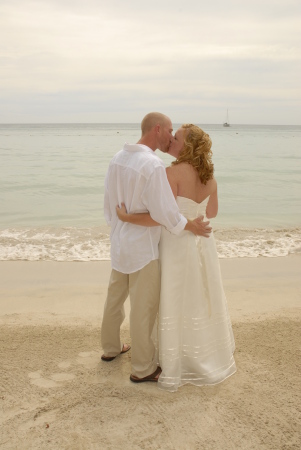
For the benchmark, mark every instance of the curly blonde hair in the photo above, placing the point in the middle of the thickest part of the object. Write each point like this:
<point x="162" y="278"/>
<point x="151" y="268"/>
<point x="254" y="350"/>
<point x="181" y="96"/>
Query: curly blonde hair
<point x="197" y="152"/>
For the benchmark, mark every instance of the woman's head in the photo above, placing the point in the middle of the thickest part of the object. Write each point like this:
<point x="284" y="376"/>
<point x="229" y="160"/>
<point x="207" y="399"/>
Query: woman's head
<point x="193" y="146"/>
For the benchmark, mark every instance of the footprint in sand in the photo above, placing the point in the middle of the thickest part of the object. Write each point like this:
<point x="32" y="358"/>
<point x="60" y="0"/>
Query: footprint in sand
<point x="88" y="359"/>
<point x="52" y="382"/>
<point x="64" y="364"/>
<point x="62" y="376"/>
<point x="37" y="379"/>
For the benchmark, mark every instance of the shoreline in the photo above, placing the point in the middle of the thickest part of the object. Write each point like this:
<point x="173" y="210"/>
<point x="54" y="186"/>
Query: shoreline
<point x="37" y="292"/>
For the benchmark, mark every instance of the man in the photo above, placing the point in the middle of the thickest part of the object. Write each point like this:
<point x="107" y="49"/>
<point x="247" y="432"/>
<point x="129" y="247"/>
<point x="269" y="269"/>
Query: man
<point x="137" y="177"/>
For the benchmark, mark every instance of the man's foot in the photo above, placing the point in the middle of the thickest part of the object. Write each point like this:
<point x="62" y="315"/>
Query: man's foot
<point x="153" y="377"/>
<point x="125" y="349"/>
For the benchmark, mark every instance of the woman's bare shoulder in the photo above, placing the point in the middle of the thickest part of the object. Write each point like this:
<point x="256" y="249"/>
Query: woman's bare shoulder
<point x="181" y="168"/>
<point x="212" y="184"/>
<point x="175" y="170"/>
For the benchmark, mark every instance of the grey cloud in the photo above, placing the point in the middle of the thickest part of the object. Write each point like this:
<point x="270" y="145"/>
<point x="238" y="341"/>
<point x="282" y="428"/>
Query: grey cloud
<point x="79" y="61"/>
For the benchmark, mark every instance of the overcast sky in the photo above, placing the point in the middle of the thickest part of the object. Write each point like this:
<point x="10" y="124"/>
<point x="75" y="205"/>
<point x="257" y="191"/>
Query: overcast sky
<point x="115" y="60"/>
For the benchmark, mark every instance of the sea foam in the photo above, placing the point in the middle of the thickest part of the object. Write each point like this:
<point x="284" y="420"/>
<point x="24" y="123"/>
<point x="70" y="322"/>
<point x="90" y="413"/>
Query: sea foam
<point x="93" y="244"/>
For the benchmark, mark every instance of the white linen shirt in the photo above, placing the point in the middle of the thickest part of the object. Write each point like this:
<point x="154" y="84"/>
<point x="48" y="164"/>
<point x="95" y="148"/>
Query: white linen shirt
<point x="136" y="176"/>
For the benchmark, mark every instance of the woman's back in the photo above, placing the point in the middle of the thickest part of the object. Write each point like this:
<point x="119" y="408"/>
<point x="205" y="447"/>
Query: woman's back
<point x="185" y="182"/>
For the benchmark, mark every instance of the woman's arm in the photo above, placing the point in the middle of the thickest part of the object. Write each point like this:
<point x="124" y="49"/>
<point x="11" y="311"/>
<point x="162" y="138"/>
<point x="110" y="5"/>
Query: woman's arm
<point x="142" y="219"/>
<point x="212" y="206"/>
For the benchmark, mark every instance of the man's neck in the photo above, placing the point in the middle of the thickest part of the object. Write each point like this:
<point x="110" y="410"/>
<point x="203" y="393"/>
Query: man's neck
<point x="145" y="140"/>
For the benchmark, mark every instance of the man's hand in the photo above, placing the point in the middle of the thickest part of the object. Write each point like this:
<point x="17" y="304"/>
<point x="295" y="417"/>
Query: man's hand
<point x="199" y="227"/>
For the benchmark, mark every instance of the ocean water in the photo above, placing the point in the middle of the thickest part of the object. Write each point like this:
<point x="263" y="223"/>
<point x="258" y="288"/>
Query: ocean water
<point x="52" y="187"/>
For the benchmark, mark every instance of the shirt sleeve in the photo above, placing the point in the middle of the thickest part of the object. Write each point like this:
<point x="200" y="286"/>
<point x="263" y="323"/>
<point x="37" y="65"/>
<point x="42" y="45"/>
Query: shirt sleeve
<point x="160" y="202"/>
<point x="107" y="208"/>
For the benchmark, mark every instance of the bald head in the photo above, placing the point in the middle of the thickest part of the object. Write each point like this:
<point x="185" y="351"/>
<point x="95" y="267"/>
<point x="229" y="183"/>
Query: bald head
<point x="151" y="120"/>
<point x="156" y="131"/>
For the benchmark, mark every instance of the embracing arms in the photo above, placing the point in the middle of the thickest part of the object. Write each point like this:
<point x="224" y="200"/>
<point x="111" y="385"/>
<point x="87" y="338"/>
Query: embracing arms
<point x="196" y="226"/>
<point x="142" y="219"/>
<point x="157" y="200"/>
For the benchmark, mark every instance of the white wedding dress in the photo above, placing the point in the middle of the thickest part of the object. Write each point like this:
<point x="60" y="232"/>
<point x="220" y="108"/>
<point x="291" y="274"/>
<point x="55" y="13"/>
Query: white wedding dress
<point x="196" y="342"/>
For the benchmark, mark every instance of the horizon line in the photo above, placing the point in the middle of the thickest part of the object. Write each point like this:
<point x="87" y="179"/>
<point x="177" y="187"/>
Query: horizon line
<point x="138" y="123"/>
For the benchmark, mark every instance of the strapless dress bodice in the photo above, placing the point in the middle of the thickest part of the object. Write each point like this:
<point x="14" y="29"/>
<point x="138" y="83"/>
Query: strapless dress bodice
<point x="191" y="209"/>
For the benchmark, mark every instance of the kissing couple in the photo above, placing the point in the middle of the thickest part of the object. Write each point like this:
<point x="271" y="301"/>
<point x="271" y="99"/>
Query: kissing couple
<point x="164" y="257"/>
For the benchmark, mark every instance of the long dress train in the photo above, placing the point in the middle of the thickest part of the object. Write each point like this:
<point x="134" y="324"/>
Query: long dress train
<point x="196" y="342"/>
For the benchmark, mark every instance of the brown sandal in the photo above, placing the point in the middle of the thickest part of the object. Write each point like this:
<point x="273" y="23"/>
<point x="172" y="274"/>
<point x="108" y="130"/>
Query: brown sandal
<point x="110" y="358"/>
<point x="153" y="377"/>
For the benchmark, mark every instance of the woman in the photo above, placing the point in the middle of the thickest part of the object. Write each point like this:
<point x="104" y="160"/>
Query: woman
<point x="196" y="341"/>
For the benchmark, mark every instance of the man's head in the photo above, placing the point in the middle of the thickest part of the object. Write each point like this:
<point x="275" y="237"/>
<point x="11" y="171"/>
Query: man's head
<point x="156" y="131"/>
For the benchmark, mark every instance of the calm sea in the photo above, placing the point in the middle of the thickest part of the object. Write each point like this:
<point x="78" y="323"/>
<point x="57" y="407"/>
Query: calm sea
<point x="52" y="186"/>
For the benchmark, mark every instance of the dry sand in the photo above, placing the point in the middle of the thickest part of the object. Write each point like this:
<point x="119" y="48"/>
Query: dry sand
<point x="57" y="394"/>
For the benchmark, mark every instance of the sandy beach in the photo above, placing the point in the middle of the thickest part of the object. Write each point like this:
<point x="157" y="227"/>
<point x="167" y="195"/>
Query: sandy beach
<point x="56" y="393"/>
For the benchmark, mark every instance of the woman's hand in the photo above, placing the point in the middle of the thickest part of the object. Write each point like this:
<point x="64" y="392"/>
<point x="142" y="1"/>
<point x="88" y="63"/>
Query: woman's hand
<point x="122" y="212"/>
<point x="141" y="219"/>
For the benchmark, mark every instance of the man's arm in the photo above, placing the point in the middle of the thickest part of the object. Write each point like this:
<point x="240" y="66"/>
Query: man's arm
<point x="107" y="208"/>
<point x="196" y="226"/>
<point x="159" y="200"/>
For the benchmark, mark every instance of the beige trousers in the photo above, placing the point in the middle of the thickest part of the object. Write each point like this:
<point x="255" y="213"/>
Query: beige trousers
<point x="144" y="289"/>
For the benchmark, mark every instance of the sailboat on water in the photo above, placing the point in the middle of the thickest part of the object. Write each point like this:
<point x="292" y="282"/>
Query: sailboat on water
<point x="227" y="124"/>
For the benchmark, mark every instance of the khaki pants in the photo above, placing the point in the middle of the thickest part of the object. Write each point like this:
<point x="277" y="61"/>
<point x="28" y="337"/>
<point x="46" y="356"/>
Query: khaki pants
<point x="144" y="289"/>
